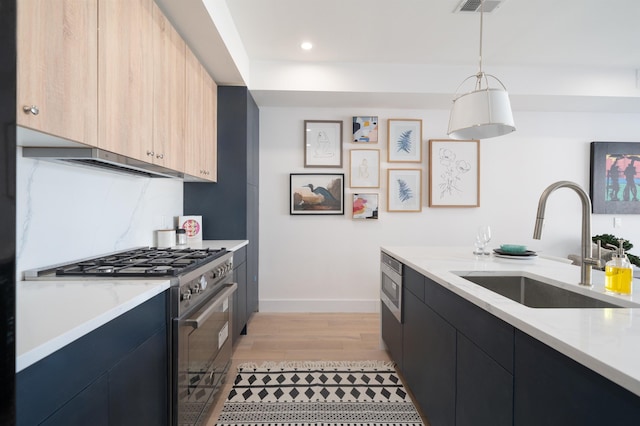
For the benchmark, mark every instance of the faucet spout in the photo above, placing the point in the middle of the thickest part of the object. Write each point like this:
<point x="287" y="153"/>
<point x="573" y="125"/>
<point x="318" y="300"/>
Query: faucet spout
<point x="587" y="260"/>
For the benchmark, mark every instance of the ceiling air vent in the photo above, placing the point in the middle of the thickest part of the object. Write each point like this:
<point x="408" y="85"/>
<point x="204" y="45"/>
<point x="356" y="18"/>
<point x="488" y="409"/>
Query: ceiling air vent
<point x="474" y="6"/>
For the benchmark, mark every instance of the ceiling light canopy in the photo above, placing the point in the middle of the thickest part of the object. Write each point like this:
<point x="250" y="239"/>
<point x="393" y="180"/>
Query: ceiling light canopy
<point x="484" y="112"/>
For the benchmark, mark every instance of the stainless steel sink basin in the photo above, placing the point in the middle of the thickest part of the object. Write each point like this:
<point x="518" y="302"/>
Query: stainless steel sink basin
<point x="536" y="294"/>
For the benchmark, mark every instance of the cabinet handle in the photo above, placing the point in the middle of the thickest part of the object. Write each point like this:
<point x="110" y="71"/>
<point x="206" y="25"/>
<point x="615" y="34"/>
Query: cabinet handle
<point x="150" y="153"/>
<point x="31" y="109"/>
<point x="160" y="156"/>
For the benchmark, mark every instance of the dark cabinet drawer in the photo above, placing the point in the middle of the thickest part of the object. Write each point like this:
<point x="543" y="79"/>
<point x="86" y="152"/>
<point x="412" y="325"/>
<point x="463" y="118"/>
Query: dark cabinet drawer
<point x="488" y="332"/>
<point x="414" y="282"/>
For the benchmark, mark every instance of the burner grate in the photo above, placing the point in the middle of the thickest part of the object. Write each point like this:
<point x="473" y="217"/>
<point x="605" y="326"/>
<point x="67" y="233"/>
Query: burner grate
<point x="147" y="262"/>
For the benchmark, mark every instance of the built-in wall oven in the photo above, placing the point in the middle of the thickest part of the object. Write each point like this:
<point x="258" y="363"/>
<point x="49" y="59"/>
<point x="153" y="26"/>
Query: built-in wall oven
<point x="200" y="325"/>
<point x="391" y="285"/>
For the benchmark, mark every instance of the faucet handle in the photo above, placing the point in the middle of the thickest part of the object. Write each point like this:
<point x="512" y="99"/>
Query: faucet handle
<point x="597" y="260"/>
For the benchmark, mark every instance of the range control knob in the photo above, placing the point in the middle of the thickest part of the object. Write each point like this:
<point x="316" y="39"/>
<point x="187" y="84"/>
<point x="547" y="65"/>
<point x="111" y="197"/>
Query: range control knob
<point x="186" y="295"/>
<point x="196" y="289"/>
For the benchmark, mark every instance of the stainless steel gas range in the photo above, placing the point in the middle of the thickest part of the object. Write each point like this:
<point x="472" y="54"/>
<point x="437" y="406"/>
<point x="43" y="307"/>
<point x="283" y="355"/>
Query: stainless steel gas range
<point x="200" y="315"/>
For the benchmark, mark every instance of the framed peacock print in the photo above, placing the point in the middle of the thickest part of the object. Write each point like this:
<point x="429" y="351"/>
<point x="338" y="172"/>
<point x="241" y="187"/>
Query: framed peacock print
<point x="319" y="193"/>
<point x="404" y="190"/>
<point x="405" y="140"/>
<point x="454" y="173"/>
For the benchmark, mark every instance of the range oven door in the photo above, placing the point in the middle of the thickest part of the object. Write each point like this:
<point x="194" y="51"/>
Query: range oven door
<point x="204" y="355"/>
<point x="391" y="285"/>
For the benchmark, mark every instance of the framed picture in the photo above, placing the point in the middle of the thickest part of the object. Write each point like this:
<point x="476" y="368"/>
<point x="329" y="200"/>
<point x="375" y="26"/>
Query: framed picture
<point x="365" y="129"/>
<point x="365" y="206"/>
<point x="321" y="193"/>
<point x="364" y="165"/>
<point x="405" y="140"/>
<point x="454" y="173"/>
<point x="404" y="190"/>
<point x="614" y="179"/>
<point x="322" y="143"/>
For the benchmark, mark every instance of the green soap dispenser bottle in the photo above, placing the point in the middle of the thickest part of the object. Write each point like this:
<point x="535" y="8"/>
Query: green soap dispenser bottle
<point x="618" y="272"/>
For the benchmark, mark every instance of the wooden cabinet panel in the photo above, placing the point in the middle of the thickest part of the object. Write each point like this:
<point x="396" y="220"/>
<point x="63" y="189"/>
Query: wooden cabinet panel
<point x="125" y="77"/>
<point x="57" y="68"/>
<point x="168" y="94"/>
<point x="193" y="111"/>
<point x="209" y="120"/>
<point x="201" y="129"/>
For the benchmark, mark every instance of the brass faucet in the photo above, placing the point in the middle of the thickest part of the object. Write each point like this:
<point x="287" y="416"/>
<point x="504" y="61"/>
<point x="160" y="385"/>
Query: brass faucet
<point x="587" y="261"/>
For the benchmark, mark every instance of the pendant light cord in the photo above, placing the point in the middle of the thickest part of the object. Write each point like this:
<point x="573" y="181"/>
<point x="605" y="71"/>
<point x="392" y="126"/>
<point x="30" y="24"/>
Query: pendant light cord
<point x="481" y="16"/>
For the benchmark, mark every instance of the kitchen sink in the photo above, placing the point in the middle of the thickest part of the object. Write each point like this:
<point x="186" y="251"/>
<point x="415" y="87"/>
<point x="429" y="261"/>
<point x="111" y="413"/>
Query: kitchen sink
<point x="535" y="293"/>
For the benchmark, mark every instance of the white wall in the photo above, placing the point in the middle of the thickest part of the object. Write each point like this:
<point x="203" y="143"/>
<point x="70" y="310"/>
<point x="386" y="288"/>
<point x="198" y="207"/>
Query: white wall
<point x="331" y="263"/>
<point x="65" y="212"/>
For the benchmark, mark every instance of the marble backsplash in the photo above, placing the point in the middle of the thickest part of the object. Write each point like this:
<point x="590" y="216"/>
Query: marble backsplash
<point x="66" y="212"/>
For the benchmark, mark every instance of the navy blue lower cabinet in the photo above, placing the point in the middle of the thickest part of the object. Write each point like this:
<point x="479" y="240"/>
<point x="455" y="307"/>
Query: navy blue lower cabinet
<point x="115" y="375"/>
<point x="90" y="406"/>
<point x="429" y="361"/>
<point x="552" y="389"/>
<point x="241" y="310"/>
<point x="392" y="335"/>
<point x="484" y="389"/>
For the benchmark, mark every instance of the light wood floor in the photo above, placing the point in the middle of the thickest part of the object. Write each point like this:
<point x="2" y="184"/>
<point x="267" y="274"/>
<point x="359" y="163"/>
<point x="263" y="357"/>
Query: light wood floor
<point x="305" y="337"/>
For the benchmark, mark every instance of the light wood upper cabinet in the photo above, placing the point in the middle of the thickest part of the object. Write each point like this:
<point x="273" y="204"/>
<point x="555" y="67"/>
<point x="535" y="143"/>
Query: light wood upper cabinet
<point x="210" y="130"/>
<point x="168" y="94"/>
<point x="200" y="130"/>
<point x="125" y="77"/>
<point x="57" y="67"/>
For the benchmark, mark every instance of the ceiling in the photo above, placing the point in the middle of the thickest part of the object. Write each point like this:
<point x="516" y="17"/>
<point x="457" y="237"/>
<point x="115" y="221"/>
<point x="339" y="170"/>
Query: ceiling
<point x="568" y="55"/>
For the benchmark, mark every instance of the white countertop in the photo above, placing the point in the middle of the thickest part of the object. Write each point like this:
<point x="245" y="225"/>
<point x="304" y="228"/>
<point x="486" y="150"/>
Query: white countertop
<point x="51" y="314"/>
<point x="606" y="340"/>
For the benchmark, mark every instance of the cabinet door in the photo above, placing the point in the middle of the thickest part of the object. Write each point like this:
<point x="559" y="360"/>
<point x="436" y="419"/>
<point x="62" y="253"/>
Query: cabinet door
<point x="138" y="385"/>
<point x="552" y="389"/>
<point x="125" y="78"/>
<point x="429" y="361"/>
<point x="484" y="390"/>
<point x="209" y="123"/>
<point x="168" y="94"/>
<point x="89" y="407"/>
<point x="392" y="335"/>
<point x="57" y="68"/>
<point x="241" y="315"/>
<point x="193" y="118"/>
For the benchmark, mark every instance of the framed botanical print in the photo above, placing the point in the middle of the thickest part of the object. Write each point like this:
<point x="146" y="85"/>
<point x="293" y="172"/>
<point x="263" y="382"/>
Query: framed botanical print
<point x="316" y="193"/>
<point x="364" y="166"/>
<point x="322" y="143"/>
<point x="454" y="173"/>
<point x="405" y="140"/>
<point x="404" y="190"/>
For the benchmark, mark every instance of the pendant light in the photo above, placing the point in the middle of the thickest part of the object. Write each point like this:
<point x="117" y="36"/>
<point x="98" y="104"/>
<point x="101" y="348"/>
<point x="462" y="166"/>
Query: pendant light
<point x="486" y="111"/>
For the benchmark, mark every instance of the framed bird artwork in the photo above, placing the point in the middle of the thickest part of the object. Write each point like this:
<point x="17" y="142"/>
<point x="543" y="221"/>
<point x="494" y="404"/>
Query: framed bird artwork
<point x="316" y="193"/>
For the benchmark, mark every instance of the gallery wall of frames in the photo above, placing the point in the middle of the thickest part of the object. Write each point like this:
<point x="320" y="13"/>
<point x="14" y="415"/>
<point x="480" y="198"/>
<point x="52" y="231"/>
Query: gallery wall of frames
<point x="450" y="169"/>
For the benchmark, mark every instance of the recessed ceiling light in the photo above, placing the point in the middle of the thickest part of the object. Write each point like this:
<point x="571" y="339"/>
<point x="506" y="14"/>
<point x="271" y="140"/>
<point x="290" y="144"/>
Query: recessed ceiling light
<point x="306" y="45"/>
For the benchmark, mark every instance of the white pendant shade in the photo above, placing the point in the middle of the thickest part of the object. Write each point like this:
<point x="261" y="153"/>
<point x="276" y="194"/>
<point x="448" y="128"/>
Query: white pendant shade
<point x="481" y="114"/>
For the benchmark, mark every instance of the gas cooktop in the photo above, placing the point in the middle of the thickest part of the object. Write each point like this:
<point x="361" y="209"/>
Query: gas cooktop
<point x="138" y="262"/>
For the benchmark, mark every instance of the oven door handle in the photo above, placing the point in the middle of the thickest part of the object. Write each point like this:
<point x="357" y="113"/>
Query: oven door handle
<point x="217" y="300"/>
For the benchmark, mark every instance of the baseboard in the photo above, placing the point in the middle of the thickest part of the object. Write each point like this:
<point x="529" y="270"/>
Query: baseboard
<point x="323" y="305"/>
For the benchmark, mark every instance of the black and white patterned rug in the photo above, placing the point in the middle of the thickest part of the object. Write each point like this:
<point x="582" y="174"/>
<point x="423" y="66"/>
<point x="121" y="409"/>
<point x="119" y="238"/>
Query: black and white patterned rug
<point x="360" y="393"/>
